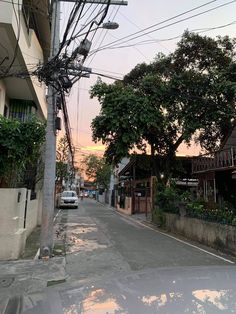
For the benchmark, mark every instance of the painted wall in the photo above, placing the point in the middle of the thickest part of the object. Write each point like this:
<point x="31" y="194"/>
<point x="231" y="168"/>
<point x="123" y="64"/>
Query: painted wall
<point x="29" y="48"/>
<point x="2" y="97"/>
<point x="12" y="211"/>
<point x="128" y="206"/>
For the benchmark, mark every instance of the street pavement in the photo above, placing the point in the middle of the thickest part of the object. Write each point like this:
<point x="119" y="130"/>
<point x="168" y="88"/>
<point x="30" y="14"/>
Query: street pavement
<point x="100" y="242"/>
<point x="100" y="245"/>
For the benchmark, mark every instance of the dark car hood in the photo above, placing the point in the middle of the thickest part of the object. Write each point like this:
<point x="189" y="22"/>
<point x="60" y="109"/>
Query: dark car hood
<point x="167" y="290"/>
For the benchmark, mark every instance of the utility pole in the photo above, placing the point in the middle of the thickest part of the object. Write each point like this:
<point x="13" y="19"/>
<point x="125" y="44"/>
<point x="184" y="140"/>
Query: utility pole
<point x="46" y="239"/>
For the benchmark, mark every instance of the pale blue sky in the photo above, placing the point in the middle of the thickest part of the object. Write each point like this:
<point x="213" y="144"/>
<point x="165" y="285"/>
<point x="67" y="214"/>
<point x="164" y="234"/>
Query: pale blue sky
<point x="137" y="15"/>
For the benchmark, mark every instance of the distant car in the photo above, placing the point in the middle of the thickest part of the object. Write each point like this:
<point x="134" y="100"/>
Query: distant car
<point x="68" y="199"/>
<point x="86" y="194"/>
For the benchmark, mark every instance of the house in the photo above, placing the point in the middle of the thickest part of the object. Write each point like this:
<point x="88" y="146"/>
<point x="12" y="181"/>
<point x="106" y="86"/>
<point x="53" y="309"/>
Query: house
<point x="136" y="186"/>
<point x="216" y="173"/>
<point x="24" y="43"/>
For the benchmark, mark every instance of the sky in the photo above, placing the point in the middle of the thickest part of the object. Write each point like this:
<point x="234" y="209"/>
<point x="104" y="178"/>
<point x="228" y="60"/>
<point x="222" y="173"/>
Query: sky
<point x="117" y="62"/>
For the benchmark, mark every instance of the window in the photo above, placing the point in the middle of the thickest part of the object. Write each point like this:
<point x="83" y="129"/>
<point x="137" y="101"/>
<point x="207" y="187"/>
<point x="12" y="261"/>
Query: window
<point x="5" y="113"/>
<point x="21" y="109"/>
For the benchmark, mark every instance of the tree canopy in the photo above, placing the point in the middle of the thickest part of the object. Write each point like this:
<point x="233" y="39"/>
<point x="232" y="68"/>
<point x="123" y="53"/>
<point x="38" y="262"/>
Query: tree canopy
<point x="97" y="170"/>
<point x="187" y="94"/>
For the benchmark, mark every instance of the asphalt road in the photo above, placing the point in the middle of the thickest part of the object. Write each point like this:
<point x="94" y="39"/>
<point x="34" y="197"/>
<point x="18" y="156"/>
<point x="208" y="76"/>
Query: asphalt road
<point x="101" y="243"/>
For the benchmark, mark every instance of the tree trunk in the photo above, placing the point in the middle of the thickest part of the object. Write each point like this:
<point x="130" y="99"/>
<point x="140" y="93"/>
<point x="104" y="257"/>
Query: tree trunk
<point x="154" y="169"/>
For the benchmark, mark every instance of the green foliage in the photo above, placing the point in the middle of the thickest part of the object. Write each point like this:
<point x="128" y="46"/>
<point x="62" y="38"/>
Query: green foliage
<point x="172" y="200"/>
<point x="97" y="170"/>
<point x="223" y="214"/>
<point x="168" y="199"/>
<point x="20" y="144"/>
<point x="189" y="93"/>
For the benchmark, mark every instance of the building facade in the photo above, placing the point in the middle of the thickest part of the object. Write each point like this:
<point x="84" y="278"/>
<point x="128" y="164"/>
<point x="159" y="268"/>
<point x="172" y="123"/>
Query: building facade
<point x="24" y="43"/>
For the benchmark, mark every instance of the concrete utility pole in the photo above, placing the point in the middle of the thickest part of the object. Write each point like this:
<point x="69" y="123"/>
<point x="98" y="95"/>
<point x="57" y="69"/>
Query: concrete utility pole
<point x="46" y="240"/>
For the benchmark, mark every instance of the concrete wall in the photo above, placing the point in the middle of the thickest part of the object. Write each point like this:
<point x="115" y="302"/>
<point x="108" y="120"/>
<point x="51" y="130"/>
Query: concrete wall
<point x="222" y="237"/>
<point x="2" y="97"/>
<point x="12" y="211"/>
<point x="31" y="217"/>
<point x="128" y="206"/>
<point x="12" y="232"/>
<point x="101" y="198"/>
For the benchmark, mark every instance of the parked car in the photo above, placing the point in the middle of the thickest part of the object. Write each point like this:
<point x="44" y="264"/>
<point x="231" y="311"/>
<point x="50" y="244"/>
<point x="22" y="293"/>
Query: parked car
<point x="68" y="199"/>
<point x="86" y="194"/>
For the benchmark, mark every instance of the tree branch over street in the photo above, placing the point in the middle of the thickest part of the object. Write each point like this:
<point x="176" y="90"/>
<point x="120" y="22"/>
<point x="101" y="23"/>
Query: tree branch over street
<point x="184" y="95"/>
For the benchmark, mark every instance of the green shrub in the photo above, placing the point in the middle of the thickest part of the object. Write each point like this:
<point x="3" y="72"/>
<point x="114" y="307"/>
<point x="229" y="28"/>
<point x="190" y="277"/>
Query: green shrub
<point x="171" y="200"/>
<point x="168" y="199"/>
<point x="20" y="144"/>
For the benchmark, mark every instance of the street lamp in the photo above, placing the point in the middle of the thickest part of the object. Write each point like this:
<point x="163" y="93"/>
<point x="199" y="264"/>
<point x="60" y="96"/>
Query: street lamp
<point x="110" y="25"/>
<point x="107" y="25"/>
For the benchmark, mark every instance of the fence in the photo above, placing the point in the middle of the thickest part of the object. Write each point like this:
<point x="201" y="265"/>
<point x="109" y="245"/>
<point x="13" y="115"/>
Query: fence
<point x="222" y="159"/>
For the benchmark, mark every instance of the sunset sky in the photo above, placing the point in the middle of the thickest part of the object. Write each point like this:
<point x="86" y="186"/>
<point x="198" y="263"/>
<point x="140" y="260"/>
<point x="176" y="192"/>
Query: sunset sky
<point x="138" y="15"/>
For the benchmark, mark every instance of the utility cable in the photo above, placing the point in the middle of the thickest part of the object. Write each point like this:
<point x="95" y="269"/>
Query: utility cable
<point x="157" y="41"/>
<point x="124" y="39"/>
<point x="104" y="35"/>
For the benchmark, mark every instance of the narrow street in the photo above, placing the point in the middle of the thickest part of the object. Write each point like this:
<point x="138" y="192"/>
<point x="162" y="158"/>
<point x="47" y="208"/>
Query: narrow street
<point x="117" y="264"/>
<point x="101" y="243"/>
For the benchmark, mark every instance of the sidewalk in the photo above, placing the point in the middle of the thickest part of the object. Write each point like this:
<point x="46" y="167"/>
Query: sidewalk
<point x="76" y="240"/>
<point x="28" y="276"/>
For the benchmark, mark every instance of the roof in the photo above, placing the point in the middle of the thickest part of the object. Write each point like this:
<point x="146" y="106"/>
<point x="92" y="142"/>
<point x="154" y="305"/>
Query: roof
<point x="143" y="166"/>
<point x="230" y="139"/>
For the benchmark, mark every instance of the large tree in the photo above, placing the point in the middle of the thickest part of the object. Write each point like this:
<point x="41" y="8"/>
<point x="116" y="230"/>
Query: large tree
<point x="97" y="170"/>
<point x="189" y="93"/>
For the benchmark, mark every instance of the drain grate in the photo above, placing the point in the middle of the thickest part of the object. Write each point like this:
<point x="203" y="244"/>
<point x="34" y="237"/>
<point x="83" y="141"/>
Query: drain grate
<point x="6" y="282"/>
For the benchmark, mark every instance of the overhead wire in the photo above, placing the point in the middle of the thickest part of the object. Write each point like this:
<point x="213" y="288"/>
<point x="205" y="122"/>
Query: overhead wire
<point x="105" y="33"/>
<point x="65" y="43"/>
<point x="71" y="19"/>
<point x="125" y="39"/>
<point x="138" y="27"/>
<point x="107" y="76"/>
<point x="164" y="21"/>
<point x="153" y="41"/>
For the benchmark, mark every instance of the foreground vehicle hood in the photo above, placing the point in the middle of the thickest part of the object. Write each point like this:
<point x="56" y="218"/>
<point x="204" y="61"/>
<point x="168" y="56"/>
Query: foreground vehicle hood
<point x="167" y="290"/>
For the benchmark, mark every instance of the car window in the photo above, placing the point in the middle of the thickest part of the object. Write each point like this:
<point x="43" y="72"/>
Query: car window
<point x="68" y="194"/>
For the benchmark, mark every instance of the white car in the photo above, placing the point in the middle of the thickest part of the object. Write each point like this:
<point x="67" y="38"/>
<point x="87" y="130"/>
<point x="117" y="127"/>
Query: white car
<point x="68" y="199"/>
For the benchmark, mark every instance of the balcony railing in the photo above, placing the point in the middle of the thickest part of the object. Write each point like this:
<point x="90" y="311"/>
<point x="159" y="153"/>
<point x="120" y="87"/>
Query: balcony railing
<point x="222" y="159"/>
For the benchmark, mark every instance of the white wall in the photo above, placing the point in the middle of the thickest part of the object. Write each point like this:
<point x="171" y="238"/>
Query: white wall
<point x="2" y="97"/>
<point x="12" y="232"/>
<point x="30" y="49"/>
